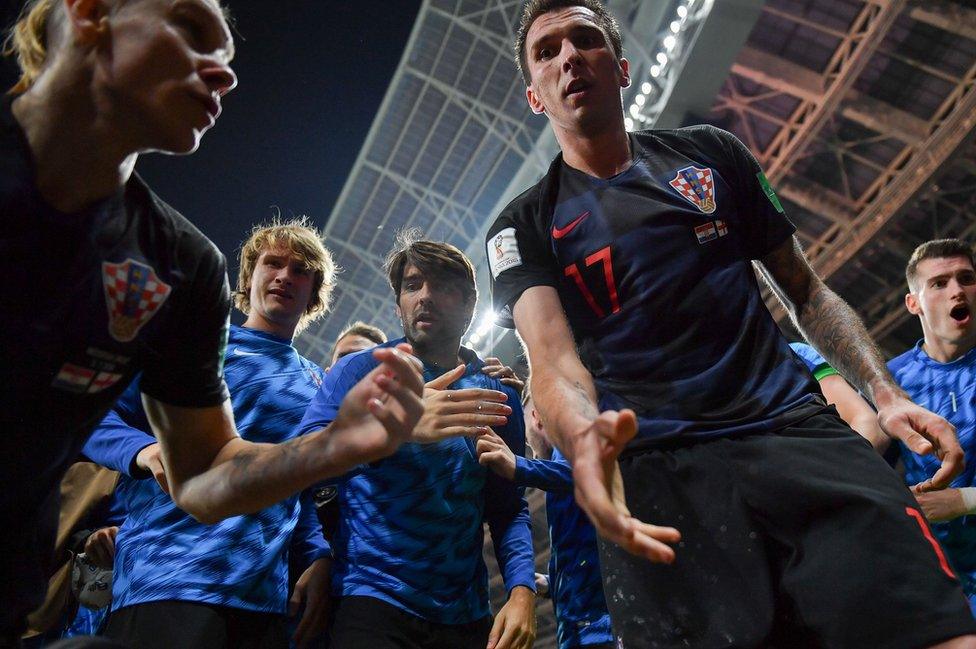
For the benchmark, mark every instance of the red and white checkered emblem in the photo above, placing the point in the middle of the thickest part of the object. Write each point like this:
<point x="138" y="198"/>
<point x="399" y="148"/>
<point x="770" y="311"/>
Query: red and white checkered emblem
<point x="697" y="186"/>
<point x="133" y="294"/>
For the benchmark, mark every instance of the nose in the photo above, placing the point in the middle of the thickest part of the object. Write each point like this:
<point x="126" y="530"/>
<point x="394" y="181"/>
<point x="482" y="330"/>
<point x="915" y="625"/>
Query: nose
<point x="571" y="55"/>
<point x="219" y="77"/>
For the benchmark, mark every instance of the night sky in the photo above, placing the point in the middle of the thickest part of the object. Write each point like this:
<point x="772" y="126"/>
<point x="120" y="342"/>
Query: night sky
<point x="312" y="76"/>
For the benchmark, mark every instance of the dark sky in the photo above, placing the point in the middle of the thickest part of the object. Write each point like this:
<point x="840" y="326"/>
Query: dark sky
<point x="312" y="75"/>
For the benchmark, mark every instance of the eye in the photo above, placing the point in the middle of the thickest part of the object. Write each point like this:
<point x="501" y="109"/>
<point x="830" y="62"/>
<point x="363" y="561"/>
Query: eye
<point x="939" y="283"/>
<point x="545" y="54"/>
<point x="195" y="32"/>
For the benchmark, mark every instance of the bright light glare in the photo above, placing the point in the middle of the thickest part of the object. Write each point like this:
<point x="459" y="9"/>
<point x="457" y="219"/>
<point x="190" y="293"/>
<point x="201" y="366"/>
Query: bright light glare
<point x="662" y="58"/>
<point x="682" y="11"/>
<point x="676" y="26"/>
<point x="670" y="42"/>
<point x="628" y="124"/>
<point x="640" y="99"/>
<point x="646" y="88"/>
<point x="634" y="110"/>
<point x="655" y="71"/>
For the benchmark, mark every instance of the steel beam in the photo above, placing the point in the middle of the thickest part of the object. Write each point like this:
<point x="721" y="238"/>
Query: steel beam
<point x="948" y="16"/>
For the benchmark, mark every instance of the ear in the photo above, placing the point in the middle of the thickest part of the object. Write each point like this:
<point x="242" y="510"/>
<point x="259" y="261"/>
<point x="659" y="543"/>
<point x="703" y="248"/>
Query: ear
<point x="536" y="419"/>
<point x="88" y="20"/>
<point x="624" y="73"/>
<point x="911" y="303"/>
<point x="535" y="102"/>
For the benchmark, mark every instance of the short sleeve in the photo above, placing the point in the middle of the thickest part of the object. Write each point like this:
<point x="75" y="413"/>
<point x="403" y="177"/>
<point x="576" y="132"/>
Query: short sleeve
<point x="185" y="366"/>
<point x="518" y="256"/>
<point x="816" y="363"/>
<point x="763" y="221"/>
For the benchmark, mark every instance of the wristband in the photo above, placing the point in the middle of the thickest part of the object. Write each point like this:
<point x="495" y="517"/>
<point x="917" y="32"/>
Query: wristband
<point x="969" y="499"/>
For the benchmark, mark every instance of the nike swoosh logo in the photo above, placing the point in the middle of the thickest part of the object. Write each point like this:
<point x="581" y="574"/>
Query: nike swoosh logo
<point x="559" y="233"/>
<point x="240" y="352"/>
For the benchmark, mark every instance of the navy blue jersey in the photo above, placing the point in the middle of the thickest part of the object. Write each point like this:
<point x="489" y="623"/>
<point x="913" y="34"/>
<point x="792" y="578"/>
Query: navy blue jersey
<point x="816" y="363"/>
<point x="949" y="390"/>
<point x="581" y="612"/>
<point x="410" y="525"/>
<point x="161" y="552"/>
<point x="654" y="271"/>
<point x="88" y="300"/>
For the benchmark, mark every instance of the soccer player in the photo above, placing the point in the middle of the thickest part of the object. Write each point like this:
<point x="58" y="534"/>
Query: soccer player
<point x="940" y="372"/>
<point x="408" y="567"/>
<point x="355" y="338"/>
<point x="628" y="270"/>
<point x="837" y="392"/>
<point x="582" y="619"/>
<point x="179" y="582"/>
<point x="102" y="280"/>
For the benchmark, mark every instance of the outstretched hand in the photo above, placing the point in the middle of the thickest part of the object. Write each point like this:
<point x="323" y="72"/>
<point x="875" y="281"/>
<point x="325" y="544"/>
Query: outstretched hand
<point x="924" y="432"/>
<point x="600" y="489"/>
<point x="494" y="368"/>
<point x="379" y="413"/>
<point x="453" y="413"/>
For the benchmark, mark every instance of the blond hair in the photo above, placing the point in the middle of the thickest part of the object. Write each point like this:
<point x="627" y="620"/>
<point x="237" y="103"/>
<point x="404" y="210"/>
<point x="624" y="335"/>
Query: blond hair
<point x="304" y="242"/>
<point x="31" y="39"/>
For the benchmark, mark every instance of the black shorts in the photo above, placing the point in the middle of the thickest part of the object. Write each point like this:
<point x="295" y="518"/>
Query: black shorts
<point x="175" y="624"/>
<point x="361" y="622"/>
<point x="803" y="537"/>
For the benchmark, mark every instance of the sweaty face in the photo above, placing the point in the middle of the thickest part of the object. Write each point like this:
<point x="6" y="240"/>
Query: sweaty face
<point x="433" y="310"/>
<point x="350" y="344"/>
<point x="945" y="298"/>
<point x="576" y="77"/>
<point x="164" y="71"/>
<point x="281" y="287"/>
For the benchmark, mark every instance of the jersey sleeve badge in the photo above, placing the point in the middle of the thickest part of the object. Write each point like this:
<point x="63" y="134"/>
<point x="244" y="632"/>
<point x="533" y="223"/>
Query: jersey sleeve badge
<point x="503" y="252"/>
<point x="133" y="295"/>
<point x="697" y="186"/>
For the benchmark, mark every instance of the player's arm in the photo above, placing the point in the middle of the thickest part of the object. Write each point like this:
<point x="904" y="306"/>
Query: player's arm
<point x="853" y="409"/>
<point x="213" y="473"/>
<point x="836" y="331"/>
<point x="565" y="396"/>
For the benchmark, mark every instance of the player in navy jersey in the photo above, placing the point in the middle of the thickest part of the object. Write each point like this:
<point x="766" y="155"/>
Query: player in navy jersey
<point x="227" y="584"/>
<point x="940" y="373"/>
<point x="837" y="392"/>
<point x="104" y="280"/>
<point x="628" y="272"/>
<point x="582" y="619"/>
<point x="408" y="566"/>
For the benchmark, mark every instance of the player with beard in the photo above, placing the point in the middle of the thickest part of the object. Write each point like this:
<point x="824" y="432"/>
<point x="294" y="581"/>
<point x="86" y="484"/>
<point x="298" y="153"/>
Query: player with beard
<point x="103" y="280"/>
<point x="408" y="566"/>
<point x="628" y="270"/>
<point x="940" y="372"/>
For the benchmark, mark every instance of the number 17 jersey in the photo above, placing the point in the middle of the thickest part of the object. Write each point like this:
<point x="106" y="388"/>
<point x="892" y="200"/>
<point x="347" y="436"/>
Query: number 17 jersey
<point x="653" y="267"/>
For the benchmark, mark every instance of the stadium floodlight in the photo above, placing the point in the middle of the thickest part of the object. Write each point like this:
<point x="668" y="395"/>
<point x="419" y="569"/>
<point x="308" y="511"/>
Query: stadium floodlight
<point x="646" y="87"/>
<point x="662" y="58"/>
<point x="634" y="110"/>
<point x="670" y="42"/>
<point x="628" y="124"/>
<point x="682" y="11"/>
<point x="640" y="99"/>
<point x="675" y="26"/>
<point x="655" y="71"/>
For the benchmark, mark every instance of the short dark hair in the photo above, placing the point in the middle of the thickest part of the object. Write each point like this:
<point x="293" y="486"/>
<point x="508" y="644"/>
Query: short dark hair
<point x="363" y="330"/>
<point x="936" y="249"/>
<point x="433" y="258"/>
<point x="535" y="8"/>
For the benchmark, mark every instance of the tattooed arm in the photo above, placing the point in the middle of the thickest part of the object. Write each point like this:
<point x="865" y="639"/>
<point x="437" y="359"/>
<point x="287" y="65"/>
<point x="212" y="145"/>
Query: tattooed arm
<point x="565" y="396"/>
<point x="836" y="331"/>
<point x="213" y="473"/>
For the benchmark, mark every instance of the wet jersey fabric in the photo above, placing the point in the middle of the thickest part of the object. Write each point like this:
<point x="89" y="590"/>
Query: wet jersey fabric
<point x="88" y="300"/>
<point x="816" y="363"/>
<point x="949" y="390"/>
<point x="410" y="527"/>
<point x="654" y="271"/>
<point x="574" y="564"/>
<point x="162" y="553"/>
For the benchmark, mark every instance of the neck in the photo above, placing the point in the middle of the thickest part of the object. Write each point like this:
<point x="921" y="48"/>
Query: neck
<point x="445" y="356"/>
<point x="258" y="322"/>
<point x="79" y="157"/>
<point x="944" y="351"/>
<point x="602" y="153"/>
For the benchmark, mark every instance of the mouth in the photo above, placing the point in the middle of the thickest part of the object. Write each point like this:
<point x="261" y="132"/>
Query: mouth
<point x="424" y="320"/>
<point x="577" y="87"/>
<point x="961" y="313"/>
<point x="211" y="105"/>
<point x="285" y="295"/>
